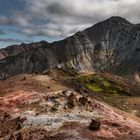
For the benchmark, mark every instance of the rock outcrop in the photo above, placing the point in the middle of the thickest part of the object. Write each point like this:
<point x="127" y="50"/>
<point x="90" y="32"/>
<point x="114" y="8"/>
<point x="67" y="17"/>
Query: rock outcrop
<point x="111" y="45"/>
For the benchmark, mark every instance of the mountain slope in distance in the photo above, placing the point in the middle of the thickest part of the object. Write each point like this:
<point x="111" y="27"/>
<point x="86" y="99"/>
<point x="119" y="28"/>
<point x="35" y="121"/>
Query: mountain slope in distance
<point x="112" y="46"/>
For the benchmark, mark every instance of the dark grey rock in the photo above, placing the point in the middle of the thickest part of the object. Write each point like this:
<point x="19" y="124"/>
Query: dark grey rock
<point x="95" y="124"/>
<point x="111" y="46"/>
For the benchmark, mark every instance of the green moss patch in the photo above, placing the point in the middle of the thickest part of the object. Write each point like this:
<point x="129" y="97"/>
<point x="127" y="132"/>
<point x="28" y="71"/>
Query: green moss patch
<point x="100" y="84"/>
<point x="93" y="87"/>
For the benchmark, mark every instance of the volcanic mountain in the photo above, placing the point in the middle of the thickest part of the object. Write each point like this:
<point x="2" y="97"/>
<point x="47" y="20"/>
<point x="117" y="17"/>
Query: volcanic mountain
<point x="111" y="46"/>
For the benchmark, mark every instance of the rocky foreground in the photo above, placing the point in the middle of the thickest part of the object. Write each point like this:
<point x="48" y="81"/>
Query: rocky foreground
<point x="42" y="107"/>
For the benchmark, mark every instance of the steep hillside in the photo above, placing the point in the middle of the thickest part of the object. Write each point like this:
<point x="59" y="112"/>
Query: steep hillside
<point x="111" y="45"/>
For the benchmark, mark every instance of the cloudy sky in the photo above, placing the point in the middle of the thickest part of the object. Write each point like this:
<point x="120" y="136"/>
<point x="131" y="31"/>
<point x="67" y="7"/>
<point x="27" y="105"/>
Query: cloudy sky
<point x="50" y="20"/>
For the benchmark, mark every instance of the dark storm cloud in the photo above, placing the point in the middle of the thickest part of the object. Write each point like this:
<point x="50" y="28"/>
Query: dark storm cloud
<point x="57" y="8"/>
<point x="62" y="18"/>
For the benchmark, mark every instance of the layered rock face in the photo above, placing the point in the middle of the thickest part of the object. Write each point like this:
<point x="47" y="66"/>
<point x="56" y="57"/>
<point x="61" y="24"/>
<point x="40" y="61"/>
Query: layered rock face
<point x="116" y="45"/>
<point x="17" y="49"/>
<point x="112" y="45"/>
<point x="76" y="51"/>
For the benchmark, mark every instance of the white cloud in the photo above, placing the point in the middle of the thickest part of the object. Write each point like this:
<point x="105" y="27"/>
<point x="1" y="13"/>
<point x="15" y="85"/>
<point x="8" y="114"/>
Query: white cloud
<point x="64" y="17"/>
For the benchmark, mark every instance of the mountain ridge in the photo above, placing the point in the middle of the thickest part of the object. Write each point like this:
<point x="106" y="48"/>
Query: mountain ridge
<point x="111" y="46"/>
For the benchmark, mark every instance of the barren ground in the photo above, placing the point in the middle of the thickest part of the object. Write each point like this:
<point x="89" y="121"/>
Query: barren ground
<point x="38" y="107"/>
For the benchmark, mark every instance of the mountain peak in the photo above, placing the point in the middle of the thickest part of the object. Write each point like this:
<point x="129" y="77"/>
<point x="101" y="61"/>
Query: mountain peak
<point x="111" y="45"/>
<point x="118" y="19"/>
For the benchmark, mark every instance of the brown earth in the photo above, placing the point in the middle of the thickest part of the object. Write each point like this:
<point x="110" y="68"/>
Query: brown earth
<point x="36" y="107"/>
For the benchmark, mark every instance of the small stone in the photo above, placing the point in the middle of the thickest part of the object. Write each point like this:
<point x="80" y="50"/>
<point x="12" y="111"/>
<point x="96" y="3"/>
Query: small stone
<point x="83" y="100"/>
<point x="72" y="100"/>
<point x="36" y="73"/>
<point x="18" y="126"/>
<point x="115" y="124"/>
<point x="64" y="92"/>
<point x="95" y="124"/>
<point x="6" y="116"/>
<point x="22" y="119"/>
<point x="130" y="133"/>
<point x="23" y="79"/>
<point x="55" y="108"/>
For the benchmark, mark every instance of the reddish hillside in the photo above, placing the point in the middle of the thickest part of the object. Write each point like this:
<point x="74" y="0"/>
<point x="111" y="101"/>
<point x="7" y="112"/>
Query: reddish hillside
<point x="50" y="107"/>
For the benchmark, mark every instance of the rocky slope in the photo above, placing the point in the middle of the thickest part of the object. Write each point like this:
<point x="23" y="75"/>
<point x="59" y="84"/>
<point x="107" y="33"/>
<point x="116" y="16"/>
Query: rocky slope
<point x="112" y="45"/>
<point x="113" y="90"/>
<point x="50" y="107"/>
